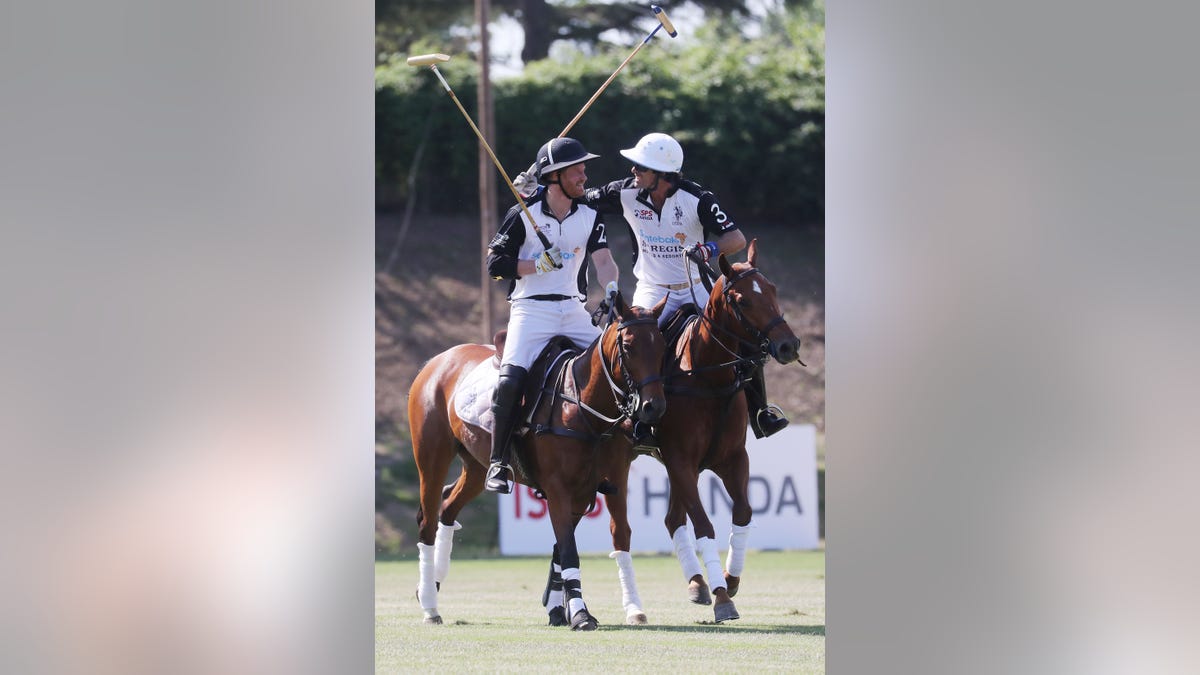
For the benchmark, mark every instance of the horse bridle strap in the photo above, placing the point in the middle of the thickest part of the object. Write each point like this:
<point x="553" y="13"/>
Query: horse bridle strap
<point x="760" y="334"/>
<point x="632" y="398"/>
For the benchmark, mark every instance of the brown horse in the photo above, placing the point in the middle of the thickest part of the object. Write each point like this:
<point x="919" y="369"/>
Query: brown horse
<point x="578" y="447"/>
<point x="705" y="424"/>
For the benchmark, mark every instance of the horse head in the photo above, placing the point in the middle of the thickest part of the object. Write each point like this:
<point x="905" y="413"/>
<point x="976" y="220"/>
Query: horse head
<point x="634" y="348"/>
<point x="752" y="299"/>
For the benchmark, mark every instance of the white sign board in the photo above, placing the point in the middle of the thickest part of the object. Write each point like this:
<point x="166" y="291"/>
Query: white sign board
<point x="783" y="495"/>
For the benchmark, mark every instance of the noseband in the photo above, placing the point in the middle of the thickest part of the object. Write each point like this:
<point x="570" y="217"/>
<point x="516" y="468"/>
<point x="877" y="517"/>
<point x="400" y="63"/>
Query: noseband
<point x="764" y="343"/>
<point x="629" y="400"/>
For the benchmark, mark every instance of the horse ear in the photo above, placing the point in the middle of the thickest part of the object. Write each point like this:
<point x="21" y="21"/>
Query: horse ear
<point x="726" y="268"/>
<point x="662" y="304"/>
<point x="752" y="253"/>
<point x="619" y="304"/>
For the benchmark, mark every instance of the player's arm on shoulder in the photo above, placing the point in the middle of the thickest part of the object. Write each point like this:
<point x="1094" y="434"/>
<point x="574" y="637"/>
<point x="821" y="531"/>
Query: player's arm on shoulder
<point x="605" y="199"/>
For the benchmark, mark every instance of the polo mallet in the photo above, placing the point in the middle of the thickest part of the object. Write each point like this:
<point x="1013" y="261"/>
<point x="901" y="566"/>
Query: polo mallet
<point x="663" y="22"/>
<point x="432" y="60"/>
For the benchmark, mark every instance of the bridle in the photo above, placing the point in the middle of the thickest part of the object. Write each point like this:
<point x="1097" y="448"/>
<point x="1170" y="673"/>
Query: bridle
<point x="763" y="344"/>
<point x="629" y="400"/>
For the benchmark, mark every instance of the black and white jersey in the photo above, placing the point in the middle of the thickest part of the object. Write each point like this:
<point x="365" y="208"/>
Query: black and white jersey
<point x="577" y="236"/>
<point x="689" y="215"/>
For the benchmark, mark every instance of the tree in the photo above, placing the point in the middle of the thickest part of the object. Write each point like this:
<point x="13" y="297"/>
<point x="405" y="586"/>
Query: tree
<point x="401" y="23"/>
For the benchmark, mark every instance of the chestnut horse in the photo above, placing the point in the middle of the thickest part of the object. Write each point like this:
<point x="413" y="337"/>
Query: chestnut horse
<point x="578" y="447"/>
<point x="705" y="423"/>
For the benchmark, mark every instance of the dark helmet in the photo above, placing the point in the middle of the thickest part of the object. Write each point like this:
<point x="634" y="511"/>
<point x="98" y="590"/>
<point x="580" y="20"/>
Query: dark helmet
<point x="559" y="153"/>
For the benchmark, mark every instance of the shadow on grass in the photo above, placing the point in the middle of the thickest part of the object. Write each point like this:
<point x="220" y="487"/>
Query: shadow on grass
<point x="709" y="627"/>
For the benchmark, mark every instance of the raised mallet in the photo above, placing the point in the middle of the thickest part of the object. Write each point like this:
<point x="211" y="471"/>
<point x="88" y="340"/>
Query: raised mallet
<point x="432" y="60"/>
<point x="663" y="22"/>
<point x="526" y="181"/>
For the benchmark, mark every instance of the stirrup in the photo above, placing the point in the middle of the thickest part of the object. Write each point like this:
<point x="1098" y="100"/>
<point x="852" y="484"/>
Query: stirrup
<point x="769" y="420"/>
<point x="644" y="440"/>
<point x="498" y="477"/>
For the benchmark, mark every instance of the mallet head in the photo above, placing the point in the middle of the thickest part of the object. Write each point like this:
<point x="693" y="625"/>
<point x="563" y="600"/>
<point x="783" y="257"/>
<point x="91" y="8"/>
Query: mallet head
<point x="427" y="59"/>
<point x="662" y="18"/>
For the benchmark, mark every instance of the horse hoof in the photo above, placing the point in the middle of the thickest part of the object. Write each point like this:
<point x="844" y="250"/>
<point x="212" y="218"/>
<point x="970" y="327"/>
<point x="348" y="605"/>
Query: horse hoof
<point x="636" y="619"/>
<point x="725" y="611"/>
<point x="698" y="593"/>
<point x="435" y="620"/>
<point x="583" y="620"/>
<point x="558" y="617"/>
<point x="731" y="584"/>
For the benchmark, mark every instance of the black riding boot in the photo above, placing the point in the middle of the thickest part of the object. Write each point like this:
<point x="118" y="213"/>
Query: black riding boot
<point x="505" y="409"/>
<point x="765" y="419"/>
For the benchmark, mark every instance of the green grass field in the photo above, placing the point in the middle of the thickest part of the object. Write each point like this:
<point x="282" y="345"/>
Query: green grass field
<point x="494" y="620"/>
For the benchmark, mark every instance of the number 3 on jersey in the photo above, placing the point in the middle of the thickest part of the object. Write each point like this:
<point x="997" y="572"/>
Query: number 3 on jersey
<point x="716" y="211"/>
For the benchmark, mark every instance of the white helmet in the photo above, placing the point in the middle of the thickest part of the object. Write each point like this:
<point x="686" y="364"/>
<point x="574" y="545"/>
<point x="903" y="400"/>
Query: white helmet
<point x="656" y="151"/>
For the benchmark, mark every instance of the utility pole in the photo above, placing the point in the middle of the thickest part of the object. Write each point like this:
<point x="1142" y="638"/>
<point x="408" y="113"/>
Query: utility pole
<point x="487" y="179"/>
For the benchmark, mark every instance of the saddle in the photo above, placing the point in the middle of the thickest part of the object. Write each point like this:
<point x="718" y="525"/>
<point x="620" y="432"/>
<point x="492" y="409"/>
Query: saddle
<point x="678" y="322"/>
<point x="543" y="374"/>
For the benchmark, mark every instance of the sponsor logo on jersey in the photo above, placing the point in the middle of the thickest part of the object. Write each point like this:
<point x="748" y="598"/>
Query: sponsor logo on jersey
<point x="644" y="214"/>
<point x="660" y="246"/>
<point x="499" y="240"/>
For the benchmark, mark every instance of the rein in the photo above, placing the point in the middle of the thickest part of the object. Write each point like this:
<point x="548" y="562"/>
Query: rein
<point x="627" y="401"/>
<point x="758" y="352"/>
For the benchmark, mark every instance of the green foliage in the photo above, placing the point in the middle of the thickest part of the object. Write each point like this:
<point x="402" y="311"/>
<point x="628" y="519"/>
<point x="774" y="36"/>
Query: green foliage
<point x="750" y="114"/>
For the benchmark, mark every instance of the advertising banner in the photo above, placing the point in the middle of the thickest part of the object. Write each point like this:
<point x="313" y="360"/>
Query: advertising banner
<point x="782" y="492"/>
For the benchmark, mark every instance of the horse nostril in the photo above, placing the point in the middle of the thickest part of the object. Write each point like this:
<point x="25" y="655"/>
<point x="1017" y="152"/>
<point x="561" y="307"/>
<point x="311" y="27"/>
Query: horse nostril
<point x="788" y="351"/>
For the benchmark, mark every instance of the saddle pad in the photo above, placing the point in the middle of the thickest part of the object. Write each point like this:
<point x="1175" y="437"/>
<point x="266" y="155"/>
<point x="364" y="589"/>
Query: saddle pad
<point x="473" y="396"/>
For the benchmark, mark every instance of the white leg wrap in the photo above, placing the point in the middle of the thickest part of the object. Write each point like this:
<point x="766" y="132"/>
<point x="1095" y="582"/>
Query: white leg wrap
<point x="426" y="591"/>
<point x="555" y="598"/>
<point x="712" y="561"/>
<point x="685" y="550"/>
<point x="629" y="592"/>
<point x="442" y="545"/>
<point x="573" y="604"/>
<point x="736" y="559"/>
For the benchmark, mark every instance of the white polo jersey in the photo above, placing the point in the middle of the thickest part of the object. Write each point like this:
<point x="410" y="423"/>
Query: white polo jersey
<point x="545" y="305"/>
<point x="577" y="236"/>
<point x="689" y="215"/>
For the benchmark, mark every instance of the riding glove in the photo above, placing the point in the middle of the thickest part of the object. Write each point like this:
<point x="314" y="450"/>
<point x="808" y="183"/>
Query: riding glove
<point x="548" y="261"/>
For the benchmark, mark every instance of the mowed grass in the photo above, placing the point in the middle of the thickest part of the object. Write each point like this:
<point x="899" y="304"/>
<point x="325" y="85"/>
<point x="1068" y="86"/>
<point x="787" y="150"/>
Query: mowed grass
<point x="494" y="620"/>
